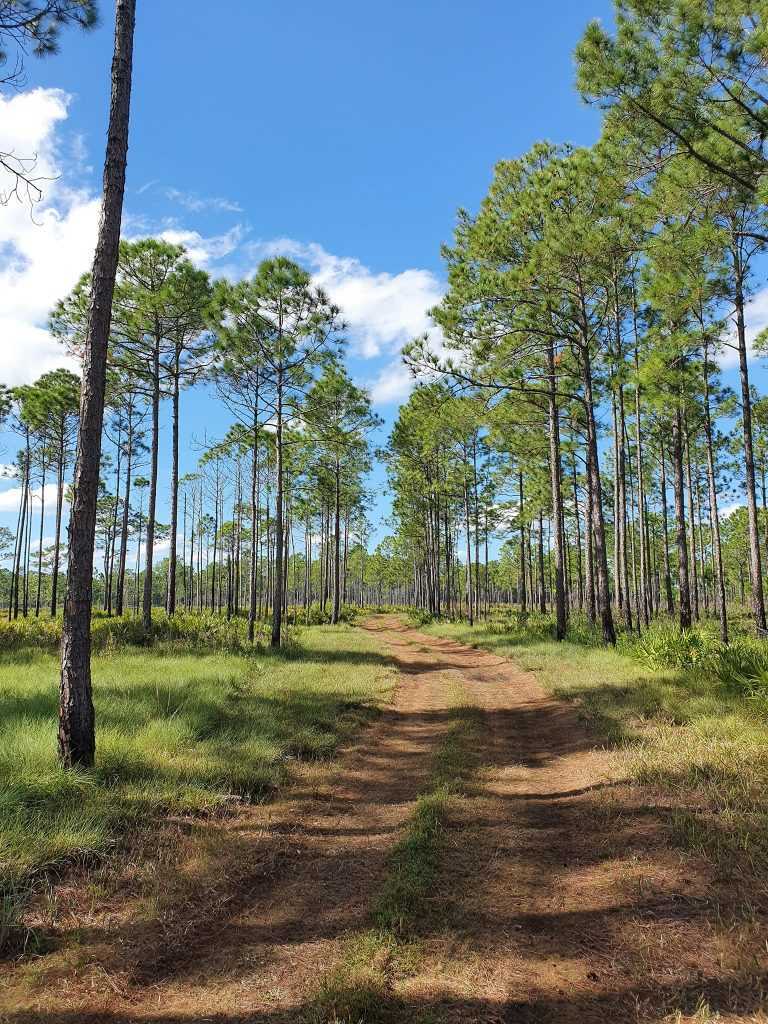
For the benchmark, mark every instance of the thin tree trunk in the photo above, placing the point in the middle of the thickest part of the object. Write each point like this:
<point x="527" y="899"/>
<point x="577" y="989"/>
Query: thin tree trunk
<point x="337" y="546"/>
<point x="149" y="554"/>
<point x="555" y="478"/>
<point x="57" y="530"/>
<point x="40" y="544"/>
<point x="680" y="531"/>
<point x="522" y="594"/>
<point x="755" y="563"/>
<point x="693" y="585"/>
<point x="668" y="593"/>
<point x="598" y="523"/>
<point x="77" y="741"/>
<point x="126" y="517"/>
<point x="277" y="593"/>
<point x="170" y="606"/>
<point x="722" y="606"/>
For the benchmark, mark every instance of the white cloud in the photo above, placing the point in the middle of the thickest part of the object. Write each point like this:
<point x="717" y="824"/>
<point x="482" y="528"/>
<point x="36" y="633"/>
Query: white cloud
<point x="10" y="500"/>
<point x="201" y="250"/>
<point x="756" y="320"/>
<point x="384" y="311"/>
<point x="393" y="384"/>
<point x="44" y="252"/>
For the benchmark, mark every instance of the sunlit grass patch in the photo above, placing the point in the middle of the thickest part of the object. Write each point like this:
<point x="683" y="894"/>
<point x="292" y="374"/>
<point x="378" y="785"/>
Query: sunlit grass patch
<point x="176" y="732"/>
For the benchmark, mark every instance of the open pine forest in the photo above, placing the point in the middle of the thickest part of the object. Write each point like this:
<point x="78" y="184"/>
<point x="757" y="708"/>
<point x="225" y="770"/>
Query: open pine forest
<point x="315" y="713"/>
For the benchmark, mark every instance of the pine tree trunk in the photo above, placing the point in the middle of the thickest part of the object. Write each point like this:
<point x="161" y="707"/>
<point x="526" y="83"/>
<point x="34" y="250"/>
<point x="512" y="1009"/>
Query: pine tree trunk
<point x="152" y="503"/>
<point x="18" y="547"/>
<point x="598" y="524"/>
<point x="668" y="593"/>
<point x="277" y="593"/>
<point x="577" y="517"/>
<point x="125" y="520"/>
<point x="337" y="546"/>
<point x="542" y="583"/>
<point x="38" y="595"/>
<point x="470" y="614"/>
<point x="622" y="513"/>
<point x="77" y="742"/>
<point x="693" y="585"/>
<point x="680" y="531"/>
<point x="170" y="605"/>
<point x="755" y="564"/>
<point x="555" y="479"/>
<point x="57" y="533"/>
<point x="722" y="606"/>
<point x="254" y="522"/>
<point x="644" y="609"/>
<point x="522" y="594"/>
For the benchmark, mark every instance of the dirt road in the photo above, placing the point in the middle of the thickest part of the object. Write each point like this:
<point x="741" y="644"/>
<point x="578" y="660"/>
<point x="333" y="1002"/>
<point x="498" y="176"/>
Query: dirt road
<point x="559" y="897"/>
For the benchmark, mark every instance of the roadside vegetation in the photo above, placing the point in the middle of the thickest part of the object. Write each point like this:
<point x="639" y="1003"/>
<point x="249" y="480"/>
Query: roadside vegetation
<point x="685" y="713"/>
<point x="184" y="727"/>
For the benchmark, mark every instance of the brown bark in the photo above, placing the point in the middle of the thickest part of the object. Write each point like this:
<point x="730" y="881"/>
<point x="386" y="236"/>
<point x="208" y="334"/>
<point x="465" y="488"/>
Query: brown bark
<point x="668" y="594"/>
<point x="337" y="546"/>
<point x="125" y="519"/>
<point x="555" y="477"/>
<point x="170" y="605"/>
<point x="680" y="531"/>
<point x="722" y="608"/>
<point x="57" y="532"/>
<point x="277" y="594"/>
<point x="755" y="565"/>
<point x="152" y="502"/>
<point x="76" y="738"/>
<point x="603" y="594"/>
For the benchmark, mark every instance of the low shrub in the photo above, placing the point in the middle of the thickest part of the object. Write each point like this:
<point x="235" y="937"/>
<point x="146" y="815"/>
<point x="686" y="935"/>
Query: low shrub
<point x="666" y="646"/>
<point x="421" y="617"/>
<point x="742" y="663"/>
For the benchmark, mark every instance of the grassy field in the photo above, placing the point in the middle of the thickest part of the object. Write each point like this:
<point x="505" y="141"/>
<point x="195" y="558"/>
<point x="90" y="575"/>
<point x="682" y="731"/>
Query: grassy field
<point x="180" y="728"/>
<point x="686" y="731"/>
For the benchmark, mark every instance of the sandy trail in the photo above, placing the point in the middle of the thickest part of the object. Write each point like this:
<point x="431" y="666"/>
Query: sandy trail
<point x="560" y="899"/>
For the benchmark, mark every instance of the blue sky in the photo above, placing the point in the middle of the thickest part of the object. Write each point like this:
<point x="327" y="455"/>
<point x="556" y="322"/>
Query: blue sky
<point x="345" y="134"/>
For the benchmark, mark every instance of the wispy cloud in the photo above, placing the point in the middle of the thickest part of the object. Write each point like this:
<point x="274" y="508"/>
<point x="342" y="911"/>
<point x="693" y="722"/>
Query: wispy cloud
<point x="198" y="204"/>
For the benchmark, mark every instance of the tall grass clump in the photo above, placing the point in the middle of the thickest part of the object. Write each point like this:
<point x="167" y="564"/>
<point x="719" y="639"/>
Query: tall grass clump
<point x="667" y="646"/>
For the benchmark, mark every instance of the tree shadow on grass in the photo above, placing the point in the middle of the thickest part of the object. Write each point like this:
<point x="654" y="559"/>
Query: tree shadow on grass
<point x="742" y="994"/>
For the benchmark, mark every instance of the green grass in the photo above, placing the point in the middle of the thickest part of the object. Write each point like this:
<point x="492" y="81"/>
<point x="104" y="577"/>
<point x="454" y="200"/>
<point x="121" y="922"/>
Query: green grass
<point x="177" y="731"/>
<point x="184" y="629"/>
<point x="688" y="732"/>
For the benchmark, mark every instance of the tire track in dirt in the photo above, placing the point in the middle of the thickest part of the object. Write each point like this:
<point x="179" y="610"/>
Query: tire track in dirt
<point x="566" y="902"/>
